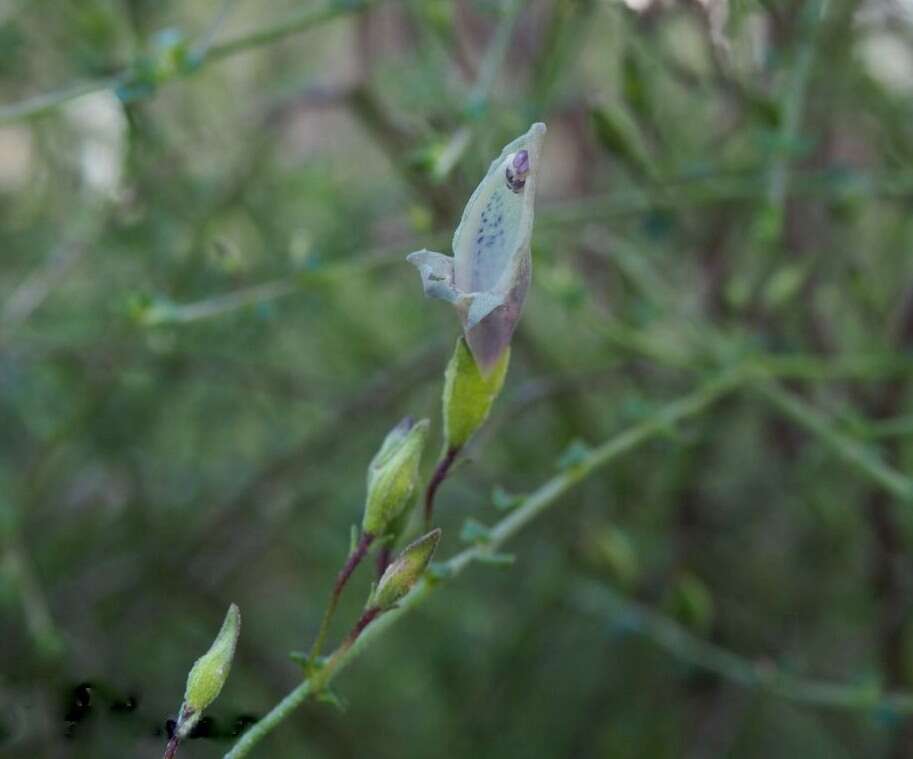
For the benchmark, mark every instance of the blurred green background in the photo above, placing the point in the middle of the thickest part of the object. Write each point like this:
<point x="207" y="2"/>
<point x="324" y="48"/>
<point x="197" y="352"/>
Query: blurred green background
<point x="207" y="326"/>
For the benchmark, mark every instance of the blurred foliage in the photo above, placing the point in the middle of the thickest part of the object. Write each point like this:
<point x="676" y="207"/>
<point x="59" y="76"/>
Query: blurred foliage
<point x="207" y="325"/>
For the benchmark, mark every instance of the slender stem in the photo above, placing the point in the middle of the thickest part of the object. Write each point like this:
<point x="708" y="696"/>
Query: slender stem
<point x="304" y="19"/>
<point x="171" y="749"/>
<point x="298" y="22"/>
<point x="342" y="578"/>
<point x="440" y="474"/>
<point x="864" y="458"/>
<point x="324" y="675"/>
<point x="533" y="505"/>
<point x="794" y="100"/>
<point x="495" y="55"/>
<point x="740" y="670"/>
<point x="41" y="104"/>
<point x="383" y="560"/>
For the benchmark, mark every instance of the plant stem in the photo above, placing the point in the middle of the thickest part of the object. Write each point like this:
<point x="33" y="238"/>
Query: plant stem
<point x="171" y="749"/>
<point x="293" y="24"/>
<point x="740" y="670"/>
<point x="383" y="560"/>
<point x="861" y="456"/>
<point x="440" y="474"/>
<point x="342" y="578"/>
<point x="494" y="56"/>
<point x="41" y="104"/>
<point x="533" y="505"/>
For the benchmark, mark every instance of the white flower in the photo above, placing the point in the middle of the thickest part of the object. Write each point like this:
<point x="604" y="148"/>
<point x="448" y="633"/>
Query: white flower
<point x="489" y="273"/>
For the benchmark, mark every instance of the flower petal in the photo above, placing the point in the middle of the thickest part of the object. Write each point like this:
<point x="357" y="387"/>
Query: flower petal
<point x="436" y="271"/>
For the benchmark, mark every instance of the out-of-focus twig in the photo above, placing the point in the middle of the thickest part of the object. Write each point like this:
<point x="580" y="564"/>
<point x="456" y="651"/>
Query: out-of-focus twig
<point x="304" y="19"/>
<point x="851" y="451"/>
<point x="630" y="616"/>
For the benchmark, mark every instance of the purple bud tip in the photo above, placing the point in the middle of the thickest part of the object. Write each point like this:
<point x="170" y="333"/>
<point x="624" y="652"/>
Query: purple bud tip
<point x="521" y="163"/>
<point x="406" y="424"/>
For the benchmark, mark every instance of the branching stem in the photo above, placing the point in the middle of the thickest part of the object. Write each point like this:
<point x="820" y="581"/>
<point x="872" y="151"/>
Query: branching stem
<point x="342" y="578"/>
<point x="171" y="749"/>
<point x="533" y="505"/>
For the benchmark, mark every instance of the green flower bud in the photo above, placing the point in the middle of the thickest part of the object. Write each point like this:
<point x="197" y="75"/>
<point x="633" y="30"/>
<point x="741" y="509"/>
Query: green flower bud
<point x="209" y="673"/>
<point x="404" y="572"/>
<point x="393" y="475"/>
<point x="397" y="527"/>
<point x="468" y="394"/>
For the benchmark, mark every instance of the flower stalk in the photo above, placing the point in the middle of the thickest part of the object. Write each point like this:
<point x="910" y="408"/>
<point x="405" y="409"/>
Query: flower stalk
<point x="352" y="562"/>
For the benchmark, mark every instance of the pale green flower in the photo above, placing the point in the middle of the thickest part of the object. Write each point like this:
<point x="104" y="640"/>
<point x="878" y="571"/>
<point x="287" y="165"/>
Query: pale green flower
<point x="488" y="275"/>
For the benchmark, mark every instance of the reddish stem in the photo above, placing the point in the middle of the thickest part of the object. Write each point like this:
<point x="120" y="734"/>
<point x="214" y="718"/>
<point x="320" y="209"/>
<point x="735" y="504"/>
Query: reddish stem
<point x="352" y="562"/>
<point x="366" y="619"/>
<point x="383" y="560"/>
<point x="440" y="474"/>
<point x="341" y="579"/>
<point x="172" y="748"/>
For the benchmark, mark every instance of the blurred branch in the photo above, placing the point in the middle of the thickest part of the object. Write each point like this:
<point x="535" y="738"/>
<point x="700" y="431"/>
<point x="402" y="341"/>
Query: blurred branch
<point x="165" y="312"/>
<point x="16" y="567"/>
<point x="777" y="184"/>
<point x="852" y="452"/>
<point x="397" y="144"/>
<point x="494" y="58"/>
<point x="531" y="507"/>
<point x="629" y="616"/>
<point x="833" y="183"/>
<point x="858" y="366"/>
<point x="39" y="284"/>
<point x="208" y="37"/>
<point x="295" y="23"/>
<point x="41" y="104"/>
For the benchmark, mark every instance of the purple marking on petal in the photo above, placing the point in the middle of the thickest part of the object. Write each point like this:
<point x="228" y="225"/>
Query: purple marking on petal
<point x="517" y="171"/>
<point x="521" y="163"/>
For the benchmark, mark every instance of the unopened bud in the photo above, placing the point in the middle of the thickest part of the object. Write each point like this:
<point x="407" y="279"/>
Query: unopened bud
<point x="404" y="572"/>
<point x="468" y="394"/>
<point x="209" y="673"/>
<point x="393" y="475"/>
<point x="488" y="276"/>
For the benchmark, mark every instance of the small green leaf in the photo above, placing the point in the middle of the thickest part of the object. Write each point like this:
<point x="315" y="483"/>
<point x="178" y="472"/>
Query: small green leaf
<point x="505" y="501"/>
<point x="327" y="696"/>
<point x="439" y="571"/>
<point x="475" y="532"/>
<point x="574" y="455"/>
<point x="299" y="657"/>
<point x="502" y="560"/>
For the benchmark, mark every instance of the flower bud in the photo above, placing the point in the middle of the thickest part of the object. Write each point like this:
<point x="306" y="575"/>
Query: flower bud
<point x="393" y="475"/>
<point x="209" y="673"/>
<point x="468" y="394"/>
<point x="404" y="572"/>
<point x="488" y="276"/>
